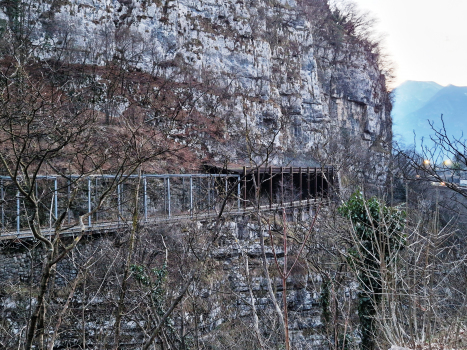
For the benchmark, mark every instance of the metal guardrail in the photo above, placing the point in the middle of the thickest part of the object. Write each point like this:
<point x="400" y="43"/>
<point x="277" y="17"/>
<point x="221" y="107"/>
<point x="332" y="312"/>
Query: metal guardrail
<point x="118" y="225"/>
<point x="54" y="190"/>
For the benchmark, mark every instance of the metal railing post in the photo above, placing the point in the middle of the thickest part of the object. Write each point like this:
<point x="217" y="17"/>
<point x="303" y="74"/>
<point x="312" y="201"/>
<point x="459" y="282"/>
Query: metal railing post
<point x="282" y="186"/>
<point x="168" y="197"/>
<point x="96" y="197"/>
<point x="244" y="187"/>
<point x="209" y="194"/>
<point x="165" y="195"/>
<point x="238" y="192"/>
<point x="199" y="193"/>
<point x="119" y="204"/>
<point x="226" y="187"/>
<point x="56" y="198"/>
<point x="17" y="212"/>
<point x="300" y="184"/>
<point x="316" y="183"/>
<point x="191" y="196"/>
<point x="3" y="208"/>
<point x="322" y="182"/>
<point x="145" y="199"/>
<point x="68" y="200"/>
<point x="258" y="184"/>
<point x="89" y="202"/>
<point x="291" y="187"/>
<point x="270" y="187"/>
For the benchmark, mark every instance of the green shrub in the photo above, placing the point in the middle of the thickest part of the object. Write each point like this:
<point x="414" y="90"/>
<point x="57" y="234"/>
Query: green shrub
<point x="377" y="238"/>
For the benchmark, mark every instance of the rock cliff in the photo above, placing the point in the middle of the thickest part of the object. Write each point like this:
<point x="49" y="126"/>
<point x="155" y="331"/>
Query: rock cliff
<point x="229" y="297"/>
<point x="278" y="76"/>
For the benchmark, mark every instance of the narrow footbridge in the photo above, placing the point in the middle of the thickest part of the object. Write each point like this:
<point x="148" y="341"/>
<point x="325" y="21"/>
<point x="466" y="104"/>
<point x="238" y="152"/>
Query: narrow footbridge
<point x="108" y="202"/>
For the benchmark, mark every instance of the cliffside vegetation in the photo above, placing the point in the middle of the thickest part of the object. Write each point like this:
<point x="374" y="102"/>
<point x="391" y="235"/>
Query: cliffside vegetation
<point x="138" y="87"/>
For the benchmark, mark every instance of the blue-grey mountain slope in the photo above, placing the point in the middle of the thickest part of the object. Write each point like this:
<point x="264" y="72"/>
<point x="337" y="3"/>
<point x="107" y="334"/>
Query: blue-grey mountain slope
<point x="414" y="108"/>
<point x="412" y="95"/>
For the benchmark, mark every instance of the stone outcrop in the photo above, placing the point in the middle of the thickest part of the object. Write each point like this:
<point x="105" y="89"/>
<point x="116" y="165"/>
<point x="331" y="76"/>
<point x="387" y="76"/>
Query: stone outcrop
<point x="220" y="304"/>
<point x="278" y="88"/>
<point x="278" y="79"/>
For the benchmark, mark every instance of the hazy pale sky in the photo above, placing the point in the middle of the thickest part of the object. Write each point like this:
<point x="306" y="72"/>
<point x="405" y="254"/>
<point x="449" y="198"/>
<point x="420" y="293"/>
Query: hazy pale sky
<point x="426" y="39"/>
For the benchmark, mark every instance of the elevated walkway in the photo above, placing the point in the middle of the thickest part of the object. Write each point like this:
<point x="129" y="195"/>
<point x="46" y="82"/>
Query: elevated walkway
<point x="106" y="201"/>
<point x="114" y="226"/>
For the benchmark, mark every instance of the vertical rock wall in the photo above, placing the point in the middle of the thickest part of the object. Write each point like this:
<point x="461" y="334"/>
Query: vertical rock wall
<point x="230" y="288"/>
<point x="305" y="95"/>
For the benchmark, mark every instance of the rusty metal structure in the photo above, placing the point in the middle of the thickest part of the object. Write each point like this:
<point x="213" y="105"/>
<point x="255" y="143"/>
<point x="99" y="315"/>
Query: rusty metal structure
<point x="272" y="184"/>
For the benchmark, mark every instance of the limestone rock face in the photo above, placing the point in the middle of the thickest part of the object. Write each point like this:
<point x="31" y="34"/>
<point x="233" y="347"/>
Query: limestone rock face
<point x="232" y="287"/>
<point x="306" y="95"/>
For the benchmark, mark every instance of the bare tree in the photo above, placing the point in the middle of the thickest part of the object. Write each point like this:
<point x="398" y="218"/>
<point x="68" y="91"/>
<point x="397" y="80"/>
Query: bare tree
<point x="53" y="123"/>
<point x="441" y="160"/>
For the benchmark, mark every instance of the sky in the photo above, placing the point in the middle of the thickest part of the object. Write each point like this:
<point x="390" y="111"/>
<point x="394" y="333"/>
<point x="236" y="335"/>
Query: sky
<point x="426" y="39"/>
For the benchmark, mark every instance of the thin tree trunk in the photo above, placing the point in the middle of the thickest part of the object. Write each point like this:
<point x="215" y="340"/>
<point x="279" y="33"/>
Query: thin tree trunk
<point x="268" y="282"/>
<point x="62" y="313"/>
<point x="156" y="331"/>
<point x="126" y="272"/>
<point x="40" y="302"/>
<point x="284" y="292"/>
<point x="253" y="305"/>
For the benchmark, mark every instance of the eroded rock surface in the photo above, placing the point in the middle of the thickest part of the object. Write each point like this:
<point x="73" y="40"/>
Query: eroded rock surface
<point x="279" y="80"/>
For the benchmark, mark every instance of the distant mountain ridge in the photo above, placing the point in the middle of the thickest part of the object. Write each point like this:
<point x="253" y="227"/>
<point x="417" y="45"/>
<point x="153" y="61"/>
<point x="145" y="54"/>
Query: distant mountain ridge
<point x="412" y="95"/>
<point x="417" y="102"/>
